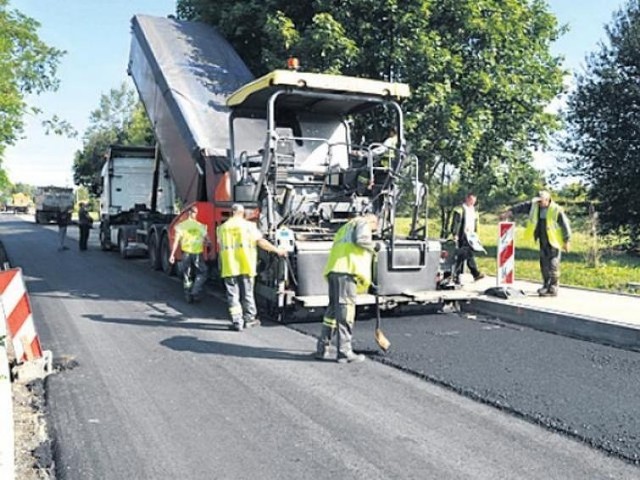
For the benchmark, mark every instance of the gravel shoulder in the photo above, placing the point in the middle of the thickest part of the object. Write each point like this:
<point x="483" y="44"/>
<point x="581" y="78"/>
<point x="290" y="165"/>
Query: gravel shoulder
<point x="33" y="446"/>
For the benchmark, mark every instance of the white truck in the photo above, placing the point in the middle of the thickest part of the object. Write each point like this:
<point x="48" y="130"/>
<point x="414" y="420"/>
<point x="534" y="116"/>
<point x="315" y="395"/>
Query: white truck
<point x="134" y="192"/>
<point x="50" y="201"/>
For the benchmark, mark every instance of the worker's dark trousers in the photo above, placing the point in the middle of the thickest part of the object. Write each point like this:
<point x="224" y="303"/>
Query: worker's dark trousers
<point x="464" y="253"/>
<point x="240" y="297"/>
<point x="550" y="265"/>
<point x="84" y="236"/>
<point x="194" y="273"/>
<point x="341" y="311"/>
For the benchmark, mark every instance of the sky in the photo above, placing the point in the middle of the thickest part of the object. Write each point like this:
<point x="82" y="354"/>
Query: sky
<point x="96" y="36"/>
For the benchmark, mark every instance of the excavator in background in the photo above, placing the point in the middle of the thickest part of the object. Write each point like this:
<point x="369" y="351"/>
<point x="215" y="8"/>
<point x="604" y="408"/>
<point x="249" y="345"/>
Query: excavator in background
<point x="282" y="146"/>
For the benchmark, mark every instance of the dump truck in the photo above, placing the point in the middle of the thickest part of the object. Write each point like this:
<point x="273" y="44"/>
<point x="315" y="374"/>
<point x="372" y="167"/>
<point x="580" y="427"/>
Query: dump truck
<point x="19" y="203"/>
<point x="51" y="200"/>
<point x="136" y="193"/>
<point x="282" y="146"/>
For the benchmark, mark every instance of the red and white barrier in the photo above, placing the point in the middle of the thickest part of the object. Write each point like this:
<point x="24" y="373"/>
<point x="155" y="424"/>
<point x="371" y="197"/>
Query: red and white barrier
<point x="506" y="253"/>
<point x="15" y="309"/>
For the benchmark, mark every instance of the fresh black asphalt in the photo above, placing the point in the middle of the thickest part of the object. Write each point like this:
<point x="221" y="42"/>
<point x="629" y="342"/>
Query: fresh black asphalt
<point x="585" y="390"/>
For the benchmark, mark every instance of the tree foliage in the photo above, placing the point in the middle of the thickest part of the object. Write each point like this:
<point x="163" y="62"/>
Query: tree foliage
<point x="480" y="71"/>
<point x="119" y="119"/>
<point x="27" y="66"/>
<point x="603" y="125"/>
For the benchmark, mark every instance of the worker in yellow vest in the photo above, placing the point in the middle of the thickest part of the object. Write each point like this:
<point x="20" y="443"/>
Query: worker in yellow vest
<point x="238" y="256"/>
<point x="549" y="225"/>
<point x="348" y="272"/>
<point x="192" y="238"/>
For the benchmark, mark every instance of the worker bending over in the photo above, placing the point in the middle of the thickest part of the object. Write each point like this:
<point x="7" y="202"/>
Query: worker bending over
<point x="348" y="272"/>
<point x="238" y="257"/>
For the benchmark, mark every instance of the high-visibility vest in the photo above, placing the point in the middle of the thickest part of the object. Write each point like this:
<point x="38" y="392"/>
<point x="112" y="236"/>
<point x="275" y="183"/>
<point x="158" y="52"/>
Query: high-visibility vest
<point x="192" y="235"/>
<point x="237" y="239"/>
<point x="346" y="256"/>
<point x="456" y="227"/>
<point x="554" y="231"/>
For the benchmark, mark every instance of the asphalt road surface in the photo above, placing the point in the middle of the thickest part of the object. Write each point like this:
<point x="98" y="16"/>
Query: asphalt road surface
<point x="155" y="388"/>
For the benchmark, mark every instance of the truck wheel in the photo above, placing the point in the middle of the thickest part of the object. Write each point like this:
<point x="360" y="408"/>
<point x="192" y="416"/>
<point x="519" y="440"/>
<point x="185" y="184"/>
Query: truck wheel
<point x="165" y="252"/>
<point x="122" y="245"/>
<point x="154" y="252"/>
<point x="105" y="242"/>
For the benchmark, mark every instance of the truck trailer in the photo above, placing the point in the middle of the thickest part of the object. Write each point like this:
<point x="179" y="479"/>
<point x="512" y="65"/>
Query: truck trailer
<point x="51" y="200"/>
<point x="282" y="146"/>
<point x="137" y="195"/>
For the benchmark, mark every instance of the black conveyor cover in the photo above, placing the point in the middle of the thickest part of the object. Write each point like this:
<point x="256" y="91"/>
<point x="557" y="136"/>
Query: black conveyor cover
<point x="184" y="71"/>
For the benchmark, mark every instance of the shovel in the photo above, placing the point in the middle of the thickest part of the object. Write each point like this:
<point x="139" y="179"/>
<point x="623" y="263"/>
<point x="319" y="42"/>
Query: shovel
<point x="381" y="339"/>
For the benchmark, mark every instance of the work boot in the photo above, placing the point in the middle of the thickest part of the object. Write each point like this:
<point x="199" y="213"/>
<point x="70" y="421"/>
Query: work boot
<point x="323" y="351"/>
<point x="350" y="357"/>
<point x="551" y="292"/>
<point x="543" y="291"/>
<point x="238" y="326"/>
<point x="479" y="276"/>
<point x="252" y="322"/>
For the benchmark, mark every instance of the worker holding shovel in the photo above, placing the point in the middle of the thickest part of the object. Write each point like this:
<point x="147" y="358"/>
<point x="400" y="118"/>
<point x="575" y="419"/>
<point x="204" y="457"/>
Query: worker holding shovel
<point x="348" y="272"/>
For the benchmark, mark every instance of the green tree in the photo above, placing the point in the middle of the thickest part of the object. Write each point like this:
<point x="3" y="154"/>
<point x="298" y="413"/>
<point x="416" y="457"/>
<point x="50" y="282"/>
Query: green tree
<point x="27" y="66"/>
<point x="480" y="70"/>
<point x="603" y="125"/>
<point x="119" y="119"/>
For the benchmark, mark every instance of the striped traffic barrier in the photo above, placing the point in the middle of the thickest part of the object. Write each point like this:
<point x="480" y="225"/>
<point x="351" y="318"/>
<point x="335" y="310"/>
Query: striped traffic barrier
<point x="506" y="254"/>
<point x="16" y="312"/>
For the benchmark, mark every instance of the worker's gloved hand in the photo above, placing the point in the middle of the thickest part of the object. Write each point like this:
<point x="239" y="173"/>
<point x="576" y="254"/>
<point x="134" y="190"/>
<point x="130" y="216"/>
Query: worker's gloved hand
<point x="374" y="289"/>
<point x="377" y="247"/>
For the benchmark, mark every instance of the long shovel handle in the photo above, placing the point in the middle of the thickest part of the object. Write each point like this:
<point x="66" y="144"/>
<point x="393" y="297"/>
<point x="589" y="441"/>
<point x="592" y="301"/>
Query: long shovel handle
<point x="378" y="319"/>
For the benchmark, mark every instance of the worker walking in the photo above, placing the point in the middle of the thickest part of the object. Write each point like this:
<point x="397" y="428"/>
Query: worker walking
<point x="238" y="256"/>
<point x="348" y="272"/>
<point x="464" y="229"/>
<point x="192" y="238"/>
<point x="549" y="225"/>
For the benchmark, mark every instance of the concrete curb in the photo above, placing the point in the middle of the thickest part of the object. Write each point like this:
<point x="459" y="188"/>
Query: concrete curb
<point x="596" y="330"/>
<point x="7" y="434"/>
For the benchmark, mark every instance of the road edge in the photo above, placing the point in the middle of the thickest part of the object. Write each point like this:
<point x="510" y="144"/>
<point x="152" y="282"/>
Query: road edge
<point x="606" y="332"/>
